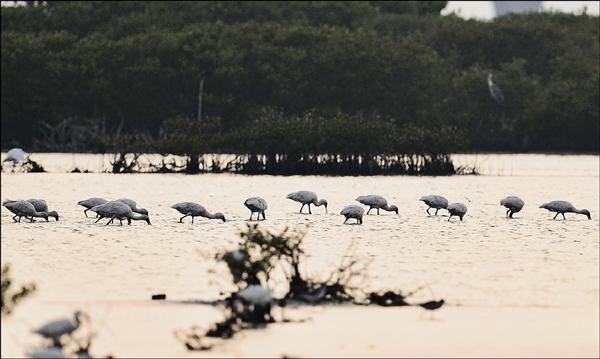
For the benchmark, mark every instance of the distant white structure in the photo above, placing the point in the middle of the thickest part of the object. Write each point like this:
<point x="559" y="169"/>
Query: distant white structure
<point x="505" y="7"/>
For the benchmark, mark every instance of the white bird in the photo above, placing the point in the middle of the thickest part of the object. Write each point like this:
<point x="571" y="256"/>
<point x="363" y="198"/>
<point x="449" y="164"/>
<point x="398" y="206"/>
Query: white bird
<point x="23" y="209"/>
<point x="435" y="201"/>
<point x="258" y="205"/>
<point x="307" y="198"/>
<point x="118" y="210"/>
<point x="514" y="205"/>
<point x="54" y="352"/>
<point x="255" y="294"/>
<point x="192" y="209"/>
<point x="457" y="209"/>
<point x="15" y="155"/>
<point x="353" y="211"/>
<point x="56" y="329"/>
<point x="90" y="203"/>
<point x="562" y="207"/>
<point x="377" y="202"/>
<point x="131" y="203"/>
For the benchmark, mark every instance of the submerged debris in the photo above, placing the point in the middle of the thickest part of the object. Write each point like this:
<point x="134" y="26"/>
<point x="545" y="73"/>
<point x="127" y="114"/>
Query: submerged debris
<point x="251" y="266"/>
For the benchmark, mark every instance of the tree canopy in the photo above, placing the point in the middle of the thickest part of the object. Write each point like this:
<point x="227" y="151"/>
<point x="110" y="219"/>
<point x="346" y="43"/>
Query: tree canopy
<point x="101" y="68"/>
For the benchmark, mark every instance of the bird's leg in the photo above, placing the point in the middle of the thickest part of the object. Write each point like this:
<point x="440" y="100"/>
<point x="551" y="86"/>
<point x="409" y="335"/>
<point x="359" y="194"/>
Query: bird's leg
<point x="428" y="211"/>
<point x="263" y="213"/>
<point x="301" y="207"/>
<point x="120" y="221"/>
<point x="377" y="212"/>
<point x="511" y="214"/>
<point x="556" y="215"/>
<point x="309" y="211"/>
<point x="461" y="218"/>
<point x="347" y="218"/>
<point x="507" y="213"/>
<point x="449" y="218"/>
<point x="181" y="219"/>
<point x="563" y="216"/>
<point x="85" y="212"/>
<point x="192" y="219"/>
<point x="19" y="219"/>
<point x="436" y="211"/>
<point x="99" y="218"/>
<point x="14" y="218"/>
<point x="360" y="220"/>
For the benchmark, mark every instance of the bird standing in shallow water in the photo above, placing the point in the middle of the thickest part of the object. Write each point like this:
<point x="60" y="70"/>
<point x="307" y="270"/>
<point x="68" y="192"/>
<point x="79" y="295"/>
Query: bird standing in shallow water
<point x="192" y="209"/>
<point x="377" y="202"/>
<point x="307" y="198"/>
<point x="258" y="205"/>
<point x="562" y="207"/>
<point x="353" y="211"/>
<point x="56" y="329"/>
<point x="133" y="205"/>
<point x="435" y="201"/>
<point x="514" y="205"/>
<point x="23" y="209"/>
<point x="457" y="209"/>
<point x="90" y="203"/>
<point x="118" y="210"/>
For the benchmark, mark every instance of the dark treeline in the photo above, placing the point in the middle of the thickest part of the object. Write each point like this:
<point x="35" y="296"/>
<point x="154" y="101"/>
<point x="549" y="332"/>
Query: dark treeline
<point x="296" y="83"/>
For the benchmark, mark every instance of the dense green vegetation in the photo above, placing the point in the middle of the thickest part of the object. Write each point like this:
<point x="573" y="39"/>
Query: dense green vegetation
<point x="317" y="81"/>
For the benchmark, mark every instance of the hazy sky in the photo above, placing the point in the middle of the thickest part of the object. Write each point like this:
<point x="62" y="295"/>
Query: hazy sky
<point x="484" y="9"/>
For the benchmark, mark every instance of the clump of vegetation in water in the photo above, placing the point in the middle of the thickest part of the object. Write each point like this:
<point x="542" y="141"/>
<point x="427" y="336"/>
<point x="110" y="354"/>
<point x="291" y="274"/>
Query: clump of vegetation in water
<point x="251" y="266"/>
<point x="11" y="297"/>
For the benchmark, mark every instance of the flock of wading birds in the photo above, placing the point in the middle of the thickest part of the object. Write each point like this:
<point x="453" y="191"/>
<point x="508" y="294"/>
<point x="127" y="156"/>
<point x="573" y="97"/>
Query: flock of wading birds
<point x="126" y="209"/>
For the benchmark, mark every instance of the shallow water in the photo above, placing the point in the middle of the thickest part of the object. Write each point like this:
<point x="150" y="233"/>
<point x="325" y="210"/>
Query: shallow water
<point x="486" y="261"/>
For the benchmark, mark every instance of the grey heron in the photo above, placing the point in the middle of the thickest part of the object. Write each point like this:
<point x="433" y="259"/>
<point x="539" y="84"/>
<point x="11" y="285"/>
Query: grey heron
<point x="495" y="91"/>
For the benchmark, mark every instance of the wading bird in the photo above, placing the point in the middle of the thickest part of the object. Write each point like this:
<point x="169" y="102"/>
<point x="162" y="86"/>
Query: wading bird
<point x="377" y="202"/>
<point x="118" y="210"/>
<point x="562" y="207"/>
<point x="56" y="329"/>
<point x="131" y="203"/>
<point x="40" y="206"/>
<point x="15" y="155"/>
<point x="258" y="205"/>
<point x="495" y="91"/>
<point x="307" y="198"/>
<point x="90" y="203"/>
<point x="191" y="209"/>
<point x="353" y="211"/>
<point x="23" y="209"/>
<point x="514" y="205"/>
<point x="435" y="201"/>
<point x="457" y="209"/>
